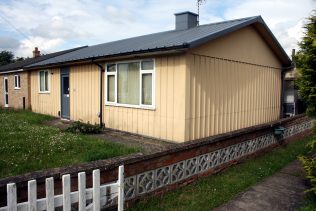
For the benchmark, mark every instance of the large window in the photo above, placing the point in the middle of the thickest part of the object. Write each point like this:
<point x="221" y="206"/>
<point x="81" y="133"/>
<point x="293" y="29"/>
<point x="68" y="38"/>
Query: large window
<point x="17" y="82"/>
<point x="43" y="81"/>
<point x="130" y="84"/>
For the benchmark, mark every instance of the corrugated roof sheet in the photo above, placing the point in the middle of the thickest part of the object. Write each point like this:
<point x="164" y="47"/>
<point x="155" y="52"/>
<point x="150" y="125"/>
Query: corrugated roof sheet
<point x="158" y="41"/>
<point x="21" y="64"/>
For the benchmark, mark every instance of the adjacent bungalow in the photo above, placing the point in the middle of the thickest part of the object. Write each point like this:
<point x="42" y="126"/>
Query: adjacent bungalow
<point x="188" y="83"/>
<point x="15" y="80"/>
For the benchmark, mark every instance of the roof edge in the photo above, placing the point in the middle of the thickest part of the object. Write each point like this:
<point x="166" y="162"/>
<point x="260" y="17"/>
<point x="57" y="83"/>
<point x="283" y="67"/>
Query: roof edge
<point x="136" y="53"/>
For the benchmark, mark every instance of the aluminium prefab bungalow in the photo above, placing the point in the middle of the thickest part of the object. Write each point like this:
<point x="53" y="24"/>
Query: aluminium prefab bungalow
<point x="15" y="80"/>
<point x="179" y="85"/>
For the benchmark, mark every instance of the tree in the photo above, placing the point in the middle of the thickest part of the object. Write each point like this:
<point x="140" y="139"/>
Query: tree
<point x="6" y="57"/>
<point x="305" y="61"/>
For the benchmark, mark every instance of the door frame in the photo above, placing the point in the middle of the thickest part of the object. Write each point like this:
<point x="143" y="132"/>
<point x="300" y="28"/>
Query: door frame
<point x="64" y="71"/>
<point x="6" y="104"/>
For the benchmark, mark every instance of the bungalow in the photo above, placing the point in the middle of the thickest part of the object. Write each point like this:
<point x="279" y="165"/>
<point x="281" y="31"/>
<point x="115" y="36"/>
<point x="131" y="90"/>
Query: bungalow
<point x="188" y="83"/>
<point x="15" y="80"/>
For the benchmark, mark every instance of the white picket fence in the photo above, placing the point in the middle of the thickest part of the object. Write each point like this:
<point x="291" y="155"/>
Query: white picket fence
<point x="85" y="198"/>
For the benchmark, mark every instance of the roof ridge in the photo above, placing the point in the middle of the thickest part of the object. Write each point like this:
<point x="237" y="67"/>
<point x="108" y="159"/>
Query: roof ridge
<point x="173" y="30"/>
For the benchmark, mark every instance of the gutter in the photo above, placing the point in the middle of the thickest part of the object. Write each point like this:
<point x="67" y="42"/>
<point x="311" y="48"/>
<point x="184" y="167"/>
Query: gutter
<point x="12" y="71"/>
<point x="101" y="91"/>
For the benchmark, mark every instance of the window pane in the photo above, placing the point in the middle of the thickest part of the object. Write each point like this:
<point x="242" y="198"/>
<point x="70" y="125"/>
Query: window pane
<point x="42" y="81"/>
<point x="66" y="85"/>
<point x="15" y="81"/>
<point x="111" y="88"/>
<point x="19" y="80"/>
<point x="147" y="89"/>
<point x="46" y="81"/>
<point x="147" y="65"/>
<point x="111" y="68"/>
<point x="128" y="83"/>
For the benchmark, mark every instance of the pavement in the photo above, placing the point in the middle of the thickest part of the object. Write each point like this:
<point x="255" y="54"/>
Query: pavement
<point x="281" y="191"/>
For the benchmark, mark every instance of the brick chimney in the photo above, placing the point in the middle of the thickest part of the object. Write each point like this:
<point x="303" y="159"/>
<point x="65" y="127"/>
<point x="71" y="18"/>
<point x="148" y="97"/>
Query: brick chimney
<point x="36" y="52"/>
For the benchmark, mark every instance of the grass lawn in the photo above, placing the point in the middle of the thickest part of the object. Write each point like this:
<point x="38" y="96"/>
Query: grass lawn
<point x="26" y="145"/>
<point x="217" y="189"/>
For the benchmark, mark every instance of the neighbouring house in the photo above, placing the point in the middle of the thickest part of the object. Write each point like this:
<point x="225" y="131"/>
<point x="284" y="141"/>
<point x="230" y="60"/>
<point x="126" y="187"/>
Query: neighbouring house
<point x="292" y="102"/>
<point x="15" y="80"/>
<point x="188" y="83"/>
<point x="290" y="96"/>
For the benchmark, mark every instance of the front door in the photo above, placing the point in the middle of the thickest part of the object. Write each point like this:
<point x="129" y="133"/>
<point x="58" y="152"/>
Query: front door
<point x="6" y="92"/>
<point x="65" y="98"/>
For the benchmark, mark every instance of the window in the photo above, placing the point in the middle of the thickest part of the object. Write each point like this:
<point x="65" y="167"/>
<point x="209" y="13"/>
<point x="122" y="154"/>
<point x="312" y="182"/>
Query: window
<point x="130" y="84"/>
<point x="43" y="81"/>
<point x="17" y="82"/>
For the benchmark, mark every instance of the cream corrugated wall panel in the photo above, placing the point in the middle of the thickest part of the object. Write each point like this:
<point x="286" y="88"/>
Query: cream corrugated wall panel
<point x="167" y="120"/>
<point x="46" y="103"/>
<point x="84" y="93"/>
<point x="241" y="95"/>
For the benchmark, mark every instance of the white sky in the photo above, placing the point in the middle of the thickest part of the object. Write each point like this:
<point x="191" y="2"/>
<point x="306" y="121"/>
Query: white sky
<point x="54" y="25"/>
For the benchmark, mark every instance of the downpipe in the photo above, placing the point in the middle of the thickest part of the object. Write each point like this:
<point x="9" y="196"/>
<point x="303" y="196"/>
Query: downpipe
<point x="101" y="92"/>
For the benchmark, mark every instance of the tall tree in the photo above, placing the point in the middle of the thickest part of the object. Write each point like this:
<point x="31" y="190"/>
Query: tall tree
<point x="6" y="57"/>
<point x="305" y="61"/>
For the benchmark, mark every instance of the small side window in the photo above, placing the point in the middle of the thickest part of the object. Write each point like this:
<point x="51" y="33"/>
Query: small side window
<point x="17" y="82"/>
<point x="43" y="81"/>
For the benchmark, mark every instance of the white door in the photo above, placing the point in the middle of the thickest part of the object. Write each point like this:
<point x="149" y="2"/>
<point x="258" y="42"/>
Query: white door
<point x="6" y="92"/>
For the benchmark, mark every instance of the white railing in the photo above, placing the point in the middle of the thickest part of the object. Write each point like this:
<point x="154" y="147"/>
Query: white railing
<point x="85" y="198"/>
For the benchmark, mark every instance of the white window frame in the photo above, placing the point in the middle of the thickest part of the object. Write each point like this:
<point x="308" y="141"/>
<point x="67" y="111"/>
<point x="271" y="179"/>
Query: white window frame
<point x="141" y="72"/>
<point x="39" y="81"/>
<point x="17" y="81"/>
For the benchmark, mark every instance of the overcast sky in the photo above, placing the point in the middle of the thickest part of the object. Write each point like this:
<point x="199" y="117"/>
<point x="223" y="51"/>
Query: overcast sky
<point x="54" y="25"/>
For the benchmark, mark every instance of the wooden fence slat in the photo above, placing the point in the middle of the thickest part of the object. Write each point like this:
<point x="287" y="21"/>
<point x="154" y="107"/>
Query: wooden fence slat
<point x="67" y="198"/>
<point x="32" y="195"/>
<point x="11" y="197"/>
<point x="120" y="201"/>
<point x="50" y="206"/>
<point x="82" y="191"/>
<point x="96" y="190"/>
<point x="66" y="192"/>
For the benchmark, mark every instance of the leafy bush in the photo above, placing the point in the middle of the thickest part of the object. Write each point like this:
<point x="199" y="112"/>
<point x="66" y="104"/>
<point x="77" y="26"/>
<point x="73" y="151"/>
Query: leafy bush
<point x="84" y="128"/>
<point x="309" y="164"/>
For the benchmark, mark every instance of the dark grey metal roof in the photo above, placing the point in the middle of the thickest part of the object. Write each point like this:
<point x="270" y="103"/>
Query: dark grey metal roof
<point x="174" y="39"/>
<point x="21" y="64"/>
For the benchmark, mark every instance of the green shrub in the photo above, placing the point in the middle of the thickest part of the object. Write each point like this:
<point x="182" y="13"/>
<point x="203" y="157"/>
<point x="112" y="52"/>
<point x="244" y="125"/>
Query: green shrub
<point x="309" y="164"/>
<point x="84" y="128"/>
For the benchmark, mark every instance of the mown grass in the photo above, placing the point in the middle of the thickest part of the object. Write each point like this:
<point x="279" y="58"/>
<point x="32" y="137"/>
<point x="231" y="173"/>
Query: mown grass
<point x="215" y="190"/>
<point x="26" y="144"/>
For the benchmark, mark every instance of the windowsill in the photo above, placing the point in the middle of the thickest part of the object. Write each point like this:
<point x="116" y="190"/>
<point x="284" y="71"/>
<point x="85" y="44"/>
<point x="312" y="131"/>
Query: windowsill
<point x="130" y="106"/>
<point x="44" y="92"/>
<point x="17" y="88"/>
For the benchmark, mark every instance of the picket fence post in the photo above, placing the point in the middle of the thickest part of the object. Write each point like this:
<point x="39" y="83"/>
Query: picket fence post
<point x="32" y="195"/>
<point x="50" y="206"/>
<point x="120" y="201"/>
<point x="82" y="191"/>
<point x="11" y="197"/>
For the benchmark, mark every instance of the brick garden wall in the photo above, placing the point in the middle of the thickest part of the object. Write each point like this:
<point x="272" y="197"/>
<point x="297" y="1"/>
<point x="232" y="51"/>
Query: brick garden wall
<point x="166" y="170"/>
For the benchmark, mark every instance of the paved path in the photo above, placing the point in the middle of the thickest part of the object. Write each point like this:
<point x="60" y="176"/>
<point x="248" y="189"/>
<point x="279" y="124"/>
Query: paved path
<point x="149" y="145"/>
<point x="281" y="191"/>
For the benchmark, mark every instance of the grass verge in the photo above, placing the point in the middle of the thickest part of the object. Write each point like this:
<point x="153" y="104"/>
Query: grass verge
<point x="26" y="145"/>
<point x="309" y="203"/>
<point x="217" y="189"/>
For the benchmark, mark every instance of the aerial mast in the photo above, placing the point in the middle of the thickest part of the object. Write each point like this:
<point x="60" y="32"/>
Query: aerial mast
<point x="198" y="3"/>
